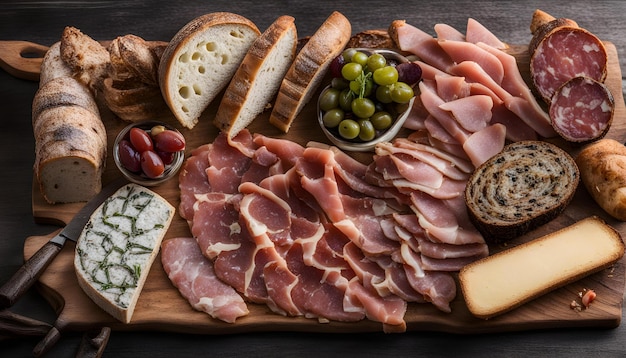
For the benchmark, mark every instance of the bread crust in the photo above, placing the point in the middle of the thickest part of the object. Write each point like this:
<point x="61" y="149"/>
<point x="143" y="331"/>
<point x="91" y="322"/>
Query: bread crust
<point x="240" y="103"/>
<point x="308" y="69"/>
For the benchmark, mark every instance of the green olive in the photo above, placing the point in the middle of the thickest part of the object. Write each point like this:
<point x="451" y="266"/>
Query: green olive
<point x="383" y="94"/>
<point x="366" y="130"/>
<point x="363" y="107"/>
<point x="333" y="117"/>
<point x="381" y="120"/>
<point x="345" y="99"/>
<point x="349" y="129"/>
<point x="329" y="99"/>
<point x="376" y="61"/>
<point x="401" y="92"/>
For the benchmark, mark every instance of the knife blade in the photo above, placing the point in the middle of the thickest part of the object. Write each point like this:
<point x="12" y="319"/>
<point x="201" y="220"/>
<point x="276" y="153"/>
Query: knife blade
<point x="26" y="275"/>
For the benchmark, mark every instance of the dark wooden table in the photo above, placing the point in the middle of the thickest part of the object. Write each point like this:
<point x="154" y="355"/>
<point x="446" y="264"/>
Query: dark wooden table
<point x="43" y="21"/>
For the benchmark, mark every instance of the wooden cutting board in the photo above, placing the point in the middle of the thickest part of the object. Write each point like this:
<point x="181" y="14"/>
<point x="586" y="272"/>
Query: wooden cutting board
<point x="161" y="307"/>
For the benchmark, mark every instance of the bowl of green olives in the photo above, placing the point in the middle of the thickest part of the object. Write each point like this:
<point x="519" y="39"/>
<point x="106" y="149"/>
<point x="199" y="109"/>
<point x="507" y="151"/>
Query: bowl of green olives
<point x="369" y="97"/>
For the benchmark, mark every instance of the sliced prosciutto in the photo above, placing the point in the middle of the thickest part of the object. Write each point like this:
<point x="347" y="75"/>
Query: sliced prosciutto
<point x="193" y="275"/>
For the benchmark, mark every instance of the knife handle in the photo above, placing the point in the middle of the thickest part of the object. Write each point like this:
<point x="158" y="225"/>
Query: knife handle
<point x="26" y="276"/>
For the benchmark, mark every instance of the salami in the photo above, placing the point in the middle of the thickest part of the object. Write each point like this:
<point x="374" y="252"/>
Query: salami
<point x="582" y="110"/>
<point x="562" y="53"/>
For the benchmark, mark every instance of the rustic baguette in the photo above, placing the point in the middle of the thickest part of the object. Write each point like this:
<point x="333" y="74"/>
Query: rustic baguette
<point x="309" y="68"/>
<point x="506" y="280"/>
<point x="603" y="172"/>
<point x="53" y="65"/>
<point x="526" y="185"/>
<point x="200" y="60"/>
<point x="258" y="77"/>
<point x="62" y="91"/>
<point x="117" y="247"/>
<point x="70" y="138"/>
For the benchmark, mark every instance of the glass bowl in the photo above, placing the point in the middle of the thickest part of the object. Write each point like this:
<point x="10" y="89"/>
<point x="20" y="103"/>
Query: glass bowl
<point x="138" y="177"/>
<point x="386" y="135"/>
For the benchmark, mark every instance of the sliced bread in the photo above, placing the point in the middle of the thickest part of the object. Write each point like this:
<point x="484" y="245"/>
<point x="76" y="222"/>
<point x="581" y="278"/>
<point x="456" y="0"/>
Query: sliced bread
<point x="258" y="78"/>
<point x="200" y="60"/>
<point x="309" y="68"/>
<point x="524" y="186"/>
<point x="118" y="245"/>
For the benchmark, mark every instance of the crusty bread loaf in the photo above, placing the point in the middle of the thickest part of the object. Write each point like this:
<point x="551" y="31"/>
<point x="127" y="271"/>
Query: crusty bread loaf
<point x="53" y="65"/>
<point x="132" y="57"/>
<point x="200" y="61"/>
<point x="526" y="185"/>
<point x="118" y="245"/>
<point x="508" y="279"/>
<point x="309" y="68"/>
<point x="602" y="167"/>
<point x="258" y="77"/>
<point x="62" y="91"/>
<point x="87" y="58"/>
<point x="70" y="138"/>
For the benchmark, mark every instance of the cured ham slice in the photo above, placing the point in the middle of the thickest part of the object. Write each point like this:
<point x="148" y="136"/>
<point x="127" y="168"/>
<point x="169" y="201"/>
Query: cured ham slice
<point x="461" y="51"/>
<point x="193" y="275"/>
<point x="411" y="39"/>
<point x="477" y="33"/>
<point x="485" y="143"/>
<point x="473" y="113"/>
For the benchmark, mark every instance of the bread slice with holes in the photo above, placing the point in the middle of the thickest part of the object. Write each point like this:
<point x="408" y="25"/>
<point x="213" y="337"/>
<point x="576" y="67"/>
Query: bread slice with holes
<point x="258" y="78"/>
<point x="309" y="68"/>
<point x="200" y="60"/>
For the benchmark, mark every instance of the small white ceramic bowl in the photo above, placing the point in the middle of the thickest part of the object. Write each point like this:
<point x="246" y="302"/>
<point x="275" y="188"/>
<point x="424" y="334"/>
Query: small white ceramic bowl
<point x="388" y="134"/>
<point x="140" y="178"/>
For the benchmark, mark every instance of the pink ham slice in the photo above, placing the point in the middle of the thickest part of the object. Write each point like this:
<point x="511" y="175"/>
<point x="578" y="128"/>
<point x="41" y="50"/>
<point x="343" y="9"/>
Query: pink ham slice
<point x="477" y="33"/>
<point x="485" y="143"/>
<point x="421" y="44"/>
<point x="461" y="51"/>
<point x="473" y="113"/>
<point x="193" y="275"/>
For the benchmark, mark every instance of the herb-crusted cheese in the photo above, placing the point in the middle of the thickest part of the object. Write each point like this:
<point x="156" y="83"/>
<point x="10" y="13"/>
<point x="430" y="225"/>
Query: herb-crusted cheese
<point x="116" y="248"/>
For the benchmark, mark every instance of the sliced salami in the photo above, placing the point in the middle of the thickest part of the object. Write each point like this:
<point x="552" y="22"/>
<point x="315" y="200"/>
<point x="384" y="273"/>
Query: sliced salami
<point x="582" y="110"/>
<point x="563" y="53"/>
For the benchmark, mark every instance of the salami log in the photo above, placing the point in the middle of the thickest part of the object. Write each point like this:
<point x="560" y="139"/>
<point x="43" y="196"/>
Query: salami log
<point x="582" y="110"/>
<point x="560" y="51"/>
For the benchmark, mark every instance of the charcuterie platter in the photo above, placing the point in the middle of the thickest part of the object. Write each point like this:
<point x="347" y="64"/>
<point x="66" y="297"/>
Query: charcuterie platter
<point x="161" y="307"/>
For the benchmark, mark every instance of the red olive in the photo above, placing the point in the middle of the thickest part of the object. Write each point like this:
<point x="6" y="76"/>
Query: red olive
<point x="151" y="164"/>
<point x="169" y="141"/>
<point x="140" y="139"/>
<point x="129" y="157"/>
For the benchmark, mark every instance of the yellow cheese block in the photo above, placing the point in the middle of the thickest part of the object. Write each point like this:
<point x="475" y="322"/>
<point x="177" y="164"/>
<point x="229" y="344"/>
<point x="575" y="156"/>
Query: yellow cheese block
<point x="506" y="280"/>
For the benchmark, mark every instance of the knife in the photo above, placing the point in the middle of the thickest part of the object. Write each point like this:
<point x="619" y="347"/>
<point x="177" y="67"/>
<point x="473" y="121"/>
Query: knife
<point x="26" y="276"/>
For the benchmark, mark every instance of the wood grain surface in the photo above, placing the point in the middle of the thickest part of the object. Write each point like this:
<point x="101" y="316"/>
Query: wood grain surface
<point x="160" y="306"/>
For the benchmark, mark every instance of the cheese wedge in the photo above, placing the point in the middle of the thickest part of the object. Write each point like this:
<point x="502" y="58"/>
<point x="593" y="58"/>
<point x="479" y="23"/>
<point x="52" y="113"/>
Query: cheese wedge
<point x="506" y="280"/>
<point x="116" y="248"/>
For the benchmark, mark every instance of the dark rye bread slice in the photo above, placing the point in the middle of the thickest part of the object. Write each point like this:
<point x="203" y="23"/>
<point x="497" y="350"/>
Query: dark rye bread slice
<point x="526" y="185"/>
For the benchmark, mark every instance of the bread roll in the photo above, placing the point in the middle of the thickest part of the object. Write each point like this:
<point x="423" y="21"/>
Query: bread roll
<point x="87" y="58"/>
<point x="602" y="167"/>
<point x="200" y="61"/>
<point x="258" y="78"/>
<point x="309" y="68"/>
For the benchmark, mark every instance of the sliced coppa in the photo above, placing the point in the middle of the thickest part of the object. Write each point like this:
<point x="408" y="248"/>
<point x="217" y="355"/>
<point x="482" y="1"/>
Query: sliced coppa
<point x="563" y="53"/>
<point x="526" y="185"/>
<point x="582" y="110"/>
